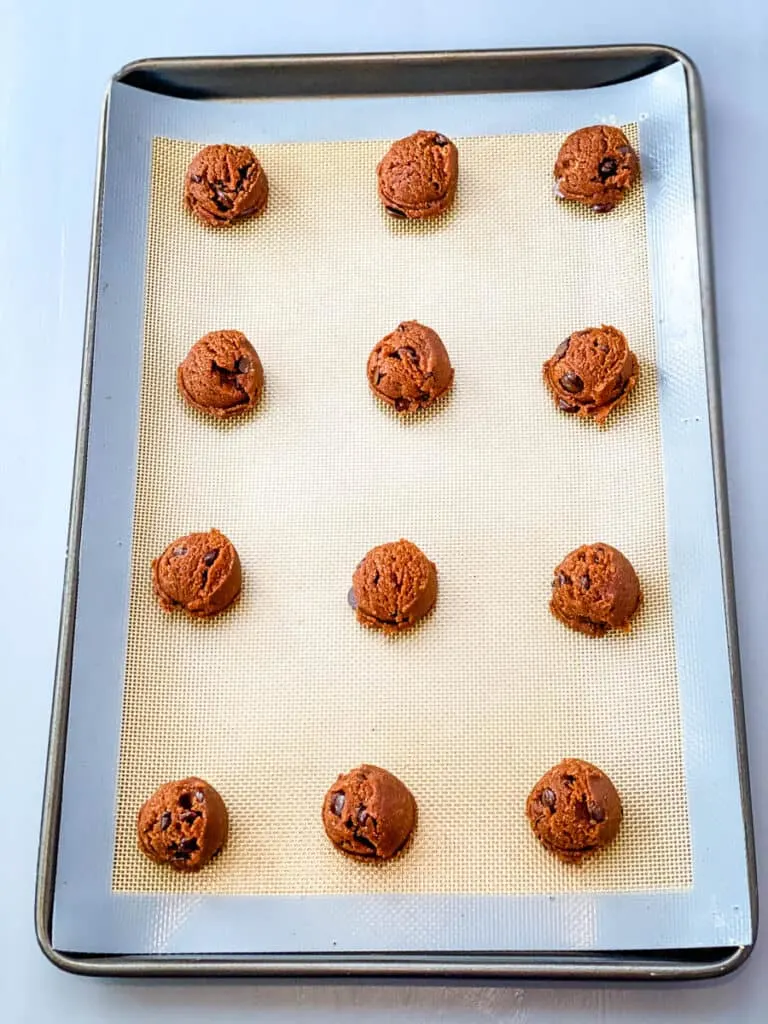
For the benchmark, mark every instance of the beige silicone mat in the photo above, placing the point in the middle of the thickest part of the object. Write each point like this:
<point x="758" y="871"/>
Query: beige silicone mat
<point x="271" y="701"/>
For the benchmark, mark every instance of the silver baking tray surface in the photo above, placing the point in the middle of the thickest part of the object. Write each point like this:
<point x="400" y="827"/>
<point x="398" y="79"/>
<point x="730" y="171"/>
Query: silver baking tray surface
<point x="702" y="929"/>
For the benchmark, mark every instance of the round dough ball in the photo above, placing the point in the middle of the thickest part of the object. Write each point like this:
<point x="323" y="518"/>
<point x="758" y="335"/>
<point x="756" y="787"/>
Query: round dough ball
<point x="595" y="589"/>
<point x="417" y="176"/>
<point x="592" y="372"/>
<point x="183" y="824"/>
<point x="369" y="813"/>
<point x="596" y="166"/>
<point x="394" y="587"/>
<point x="574" y="810"/>
<point x="222" y="375"/>
<point x="225" y="184"/>
<point x="199" y="573"/>
<point x="410" y="369"/>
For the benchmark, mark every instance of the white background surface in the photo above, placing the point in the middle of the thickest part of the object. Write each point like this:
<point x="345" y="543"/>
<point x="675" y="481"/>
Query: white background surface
<point x="54" y="62"/>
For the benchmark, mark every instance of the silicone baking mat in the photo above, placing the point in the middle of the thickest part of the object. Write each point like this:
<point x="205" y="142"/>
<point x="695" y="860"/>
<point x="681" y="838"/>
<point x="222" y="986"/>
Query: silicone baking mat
<point x="272" y="700"/>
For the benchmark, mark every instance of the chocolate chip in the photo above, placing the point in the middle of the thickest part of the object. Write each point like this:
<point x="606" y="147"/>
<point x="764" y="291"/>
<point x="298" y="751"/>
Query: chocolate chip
<point x="441" y="140"/>
<point x="200" y="796"/>
<point x="402" y="404"/>
<point x="188" y="845"/>
<point x="571" y="382"/>
<point x="569" y="779"/>
<point x="602" y="207"/>
<point x="394" y="212"/>
<point x="562" y="579"/>
<point x="585" y="582"/>
<point x="189" y="816"/>
<point x="411" y="352"/>
<point x="607" y="168"/>
<point x="222" y="197"/>
<point x="362" y="815"/>
<point x="337" y="804"/>
<point x="243" y="365"/>
<point x="351" y="599"/>
<point x="165" y="820"/>
<point x="562" y="348"/>
<point x="580" y="810"/>
<point x="596" y="813"/>
<point x="178" y="552"/>
<point x="364" y="841"/>
<point x="566" y="406"/>
<point x="181" y="855"/>
<point x="185" y="801"/>
<point x="196" y="178"/>
<point x="210" y="557"/>
<point x="548" y="798"/>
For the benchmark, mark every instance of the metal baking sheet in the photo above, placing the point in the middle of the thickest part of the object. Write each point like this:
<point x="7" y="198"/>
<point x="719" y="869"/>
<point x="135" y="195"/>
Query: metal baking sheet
<point x="706" y="928"/>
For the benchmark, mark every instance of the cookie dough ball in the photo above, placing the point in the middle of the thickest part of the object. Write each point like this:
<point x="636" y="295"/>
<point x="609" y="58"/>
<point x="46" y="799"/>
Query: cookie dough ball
<point x="369" y="813"/>
<point x="410" y="368"/>
<point x="592" y="372"/>
<point x="225" y="184"/>
<point x="183" y="824"/>
<point x="596" y="167"/>
<point x="199" y="573"/>
<point x="394" y="587"/>
<point x="417" y="176"/>
<point x="222" y="375"/>
<point x="595" y="589"/>
<point x="574" y="810"/>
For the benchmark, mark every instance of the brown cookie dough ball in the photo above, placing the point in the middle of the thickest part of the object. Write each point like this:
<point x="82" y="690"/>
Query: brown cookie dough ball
<point x="592" y="372"/>
<point x="574" y="810"/>
<point x="199" y="573"/>
<point x="410" y="368"/>
<point x="596" y="167"/>
<point x="417" y="176"/>
<point x="183" y="824"/>
<point x="595" y="589"/>
<point x="369" y="813"/>
<point x="222" y="375"/>
<point x="393" y="587"/>
<point x="225" y="184"/>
